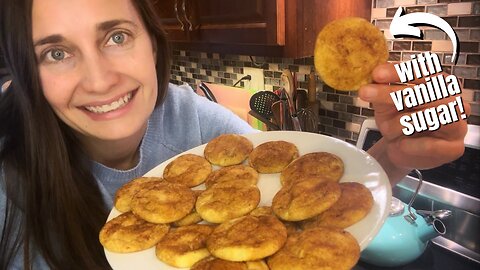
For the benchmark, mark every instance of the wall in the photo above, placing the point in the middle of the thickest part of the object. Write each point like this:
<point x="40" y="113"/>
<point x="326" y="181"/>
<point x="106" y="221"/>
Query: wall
<point x="342" y="113"/>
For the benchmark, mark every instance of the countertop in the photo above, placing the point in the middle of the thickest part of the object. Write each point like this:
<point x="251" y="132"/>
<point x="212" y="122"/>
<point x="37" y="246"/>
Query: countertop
<point x="434" y="258"/>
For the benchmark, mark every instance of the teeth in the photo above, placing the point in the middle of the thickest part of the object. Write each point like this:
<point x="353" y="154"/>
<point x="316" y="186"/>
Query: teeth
<point x="112" y="106"/>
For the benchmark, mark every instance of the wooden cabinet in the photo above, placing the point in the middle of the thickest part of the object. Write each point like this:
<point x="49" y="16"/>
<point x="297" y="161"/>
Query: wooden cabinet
<point x="284" y="28"/>
<point x="306" y="18"/>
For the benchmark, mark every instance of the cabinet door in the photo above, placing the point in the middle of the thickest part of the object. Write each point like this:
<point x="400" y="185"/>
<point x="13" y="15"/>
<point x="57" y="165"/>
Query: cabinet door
<point x="172" y="15"/>
<point x="240" y="21"/>
<point x="306" y="18"/>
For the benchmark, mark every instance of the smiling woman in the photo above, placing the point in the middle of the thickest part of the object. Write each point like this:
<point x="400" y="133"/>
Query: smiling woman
<point x="87" y="111"/>
<point x="90" y="108"/>
<point x="95" y="69"/>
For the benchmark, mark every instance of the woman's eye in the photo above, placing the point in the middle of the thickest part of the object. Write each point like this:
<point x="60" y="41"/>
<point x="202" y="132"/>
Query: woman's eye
<point x="117" y="39"/>
<point x="56" y="55"/>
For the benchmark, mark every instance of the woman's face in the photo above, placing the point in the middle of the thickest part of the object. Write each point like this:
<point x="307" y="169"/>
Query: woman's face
<point x="96" y="64"/>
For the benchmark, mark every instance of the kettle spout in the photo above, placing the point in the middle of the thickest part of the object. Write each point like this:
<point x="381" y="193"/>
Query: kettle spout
<point x="428" y="231"/>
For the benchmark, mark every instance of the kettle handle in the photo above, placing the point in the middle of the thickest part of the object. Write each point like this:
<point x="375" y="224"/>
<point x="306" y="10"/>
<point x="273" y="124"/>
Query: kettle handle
<point x="411" y="217"/>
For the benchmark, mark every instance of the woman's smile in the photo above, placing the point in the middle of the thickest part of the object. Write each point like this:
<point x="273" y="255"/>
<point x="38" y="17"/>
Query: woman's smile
<point x="108" y="107"/>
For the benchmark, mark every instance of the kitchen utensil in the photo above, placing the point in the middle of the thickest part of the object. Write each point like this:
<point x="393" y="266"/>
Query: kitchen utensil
<point x="290" y="86"/>
<point x="292" y="114"/>
<point x="207" y="92"/>
<point x="261" y="103"/>
<point x="302" y="100"/>
<point x="312" y="88"/>
<point x="308" y="120"/>
<point x="278" y="114"/>
<point x="404" y="237"/>
<point x="267" y="122"/>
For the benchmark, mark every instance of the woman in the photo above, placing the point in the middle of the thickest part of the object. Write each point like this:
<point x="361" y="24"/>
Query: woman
<point x="88" y="110"/>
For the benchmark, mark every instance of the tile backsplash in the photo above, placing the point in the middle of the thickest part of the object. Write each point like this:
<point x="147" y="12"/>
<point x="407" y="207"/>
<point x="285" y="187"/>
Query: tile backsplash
<point x="342" y="113"/>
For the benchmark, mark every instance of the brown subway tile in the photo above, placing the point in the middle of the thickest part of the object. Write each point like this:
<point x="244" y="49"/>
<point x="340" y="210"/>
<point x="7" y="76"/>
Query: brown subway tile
<point x="339" y="107"/>
<point x="451" y="20"/>
<point x="394" y="56"/>
<point x="345" y="116"/>
<point x="353" y="109"/>
<point x="339" y="124"/>
<point x="469" y="47"/>
<point x="473" y="59"/>
<point x="344" y="134"/>
<point x="476" y="96"/>
<point x="331" y="130"/>
<point x="414" y="9"/>
<point x="422" y="46"/>
<point x="469" y="21"/>
<point x="391" y="12"/>
<point x="346" y="99"/>
<point x="471" y="84"/>
<point x="367" y="112"/>
<point x="332" y="114"/>
<point x="333" y="97"/>
<point x="402" y="45"/>
<point x="326" y="121"/>
<point x="448" y="1"/>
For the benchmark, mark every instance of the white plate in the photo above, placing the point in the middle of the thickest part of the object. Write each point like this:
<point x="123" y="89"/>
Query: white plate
<point x="359" y="167"/>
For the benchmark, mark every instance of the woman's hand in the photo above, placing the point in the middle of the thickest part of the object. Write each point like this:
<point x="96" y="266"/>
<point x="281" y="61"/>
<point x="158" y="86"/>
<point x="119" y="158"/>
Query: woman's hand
<point x="399" y="154"/>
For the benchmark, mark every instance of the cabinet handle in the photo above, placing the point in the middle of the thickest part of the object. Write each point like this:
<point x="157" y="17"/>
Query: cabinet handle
<point x="190" y="25"/>
<point x="178" y="16"/>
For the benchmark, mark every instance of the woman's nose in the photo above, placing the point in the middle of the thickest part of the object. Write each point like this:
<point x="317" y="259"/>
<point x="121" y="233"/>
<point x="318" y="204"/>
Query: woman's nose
<point x="99" y="73"/>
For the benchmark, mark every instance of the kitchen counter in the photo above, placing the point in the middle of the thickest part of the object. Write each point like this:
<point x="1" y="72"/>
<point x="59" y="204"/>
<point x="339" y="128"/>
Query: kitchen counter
<point x="434" y="258"/>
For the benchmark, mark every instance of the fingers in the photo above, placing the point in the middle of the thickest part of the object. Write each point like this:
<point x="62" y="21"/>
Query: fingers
<point x="386" y="73"/>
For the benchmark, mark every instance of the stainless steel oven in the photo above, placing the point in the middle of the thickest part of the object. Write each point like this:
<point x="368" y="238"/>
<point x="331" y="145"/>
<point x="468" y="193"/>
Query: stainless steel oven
<point x="454" y="186"/>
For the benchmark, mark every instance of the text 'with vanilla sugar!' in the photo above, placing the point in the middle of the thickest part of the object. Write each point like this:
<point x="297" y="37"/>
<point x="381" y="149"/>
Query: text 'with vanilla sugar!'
<point x="436" y="86"/>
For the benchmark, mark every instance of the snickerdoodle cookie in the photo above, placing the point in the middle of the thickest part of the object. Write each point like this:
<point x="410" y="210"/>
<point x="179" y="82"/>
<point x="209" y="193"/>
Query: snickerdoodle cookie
<point x="227" y="200"/>
<point x="238" y="173"/>
<point x="305" y="199"/>
<point x="273" y="156"/>
<point x="184" y="246"/>
<point x="247" y="238"/>
<point x="318" y="248"/>
<point x="228" y="149"/>
<point x="322" y="166"/>
<point x="129" y="233"/>
<point x="353" y="205"/>
<point x="163" y="202"/>
<point x="188" y="169"/>
<point x="124" y="195"/>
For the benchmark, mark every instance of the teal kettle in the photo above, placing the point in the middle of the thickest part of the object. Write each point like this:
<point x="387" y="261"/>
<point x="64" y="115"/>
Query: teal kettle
<point x="404" y="236"/>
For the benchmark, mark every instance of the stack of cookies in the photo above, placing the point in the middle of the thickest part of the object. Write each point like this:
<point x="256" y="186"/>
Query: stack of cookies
<point x="203" y="212"/>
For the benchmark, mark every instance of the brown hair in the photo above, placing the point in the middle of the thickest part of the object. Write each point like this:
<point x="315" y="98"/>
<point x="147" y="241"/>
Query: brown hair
<point x="54" y="205"/>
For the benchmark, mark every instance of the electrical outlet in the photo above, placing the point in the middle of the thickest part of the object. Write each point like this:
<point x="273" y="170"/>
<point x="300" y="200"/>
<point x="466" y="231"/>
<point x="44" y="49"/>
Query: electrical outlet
<point x="257" y="83"/>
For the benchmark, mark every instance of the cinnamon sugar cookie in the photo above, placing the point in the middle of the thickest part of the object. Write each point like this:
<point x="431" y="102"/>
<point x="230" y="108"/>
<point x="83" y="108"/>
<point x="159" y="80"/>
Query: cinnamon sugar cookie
<point x="227" y="200"/>
<point x="163" y="202"/>
<point x="273" y="156"/>
<point x="353" y="205"/>
<point x="247" y="238"/>
<point x="346" y="52"/>
<point x="184" y="246"/>
<point x="237" y="173"/>
<point x="322" y="166"/>
<point x="188" y="169"/>
<point x="228" y="149"/>
<point x="129" y="233"/>
<point x="305" y="199"/>
<point x="319" y="248"/>
<point x="124" y="195"/>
